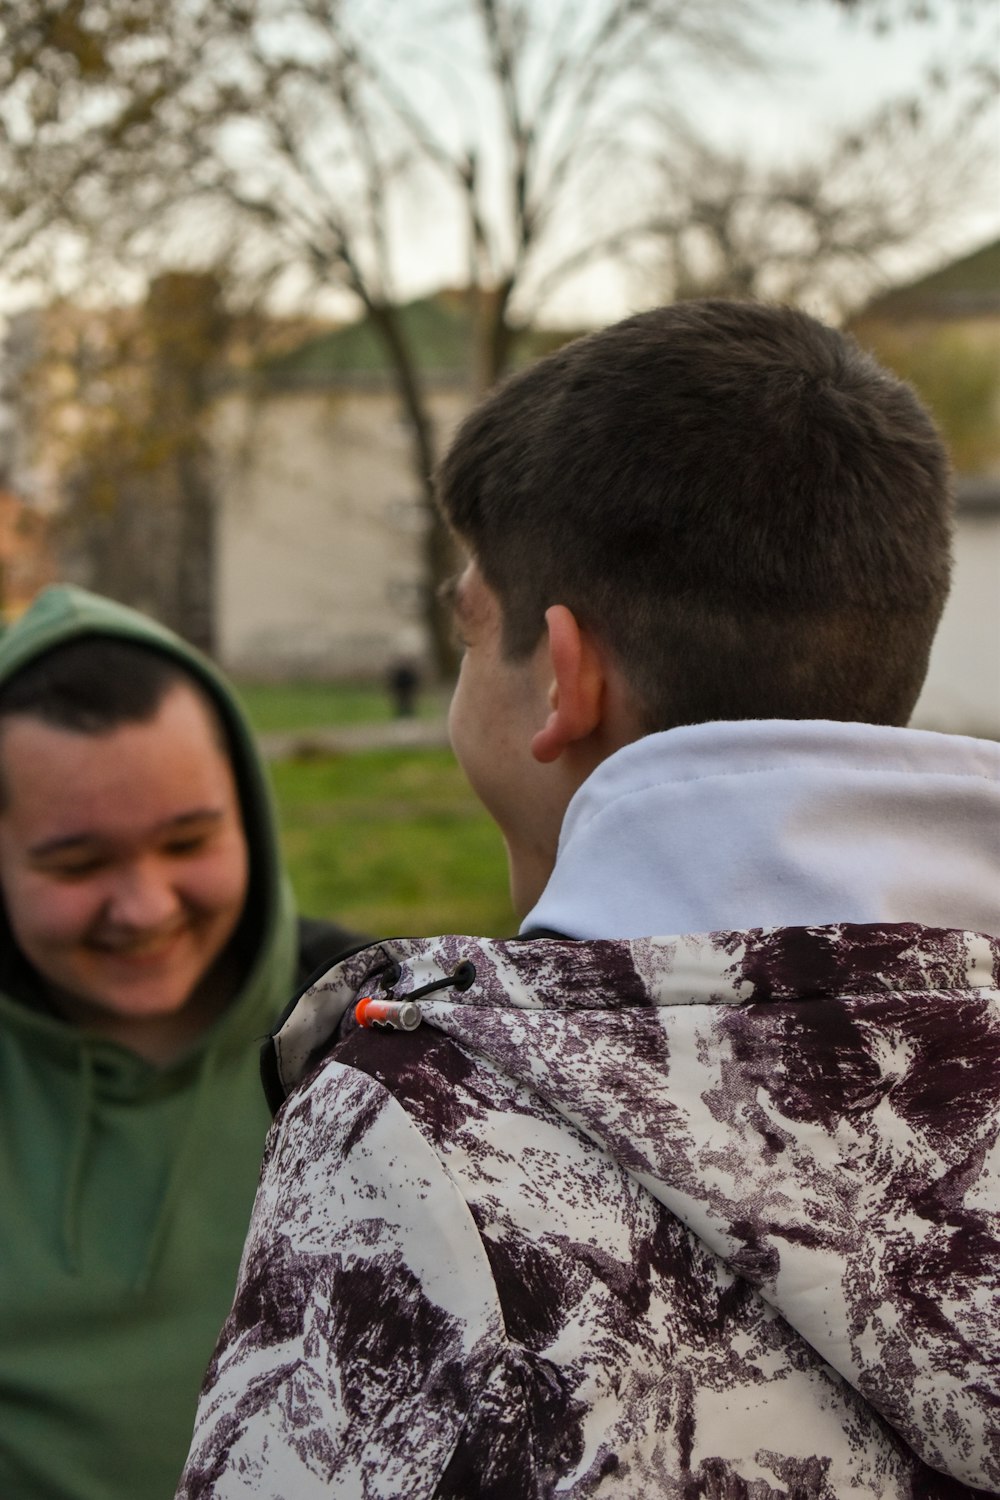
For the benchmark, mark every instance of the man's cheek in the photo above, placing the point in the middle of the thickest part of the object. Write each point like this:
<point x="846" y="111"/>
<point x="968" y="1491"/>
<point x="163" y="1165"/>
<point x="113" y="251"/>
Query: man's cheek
<point x="220" y="884"/>
<point x="53" y="914"/>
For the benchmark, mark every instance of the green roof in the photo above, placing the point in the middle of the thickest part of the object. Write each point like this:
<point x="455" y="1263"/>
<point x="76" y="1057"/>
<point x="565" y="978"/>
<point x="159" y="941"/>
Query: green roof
<point x="437" y="330"/>
<point x="963" y="288"/>
<point x="436" y="333"/>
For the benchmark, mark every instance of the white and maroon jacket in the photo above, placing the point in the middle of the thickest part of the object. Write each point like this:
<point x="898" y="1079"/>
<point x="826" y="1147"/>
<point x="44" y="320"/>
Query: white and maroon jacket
<point x="703" y="1216"/>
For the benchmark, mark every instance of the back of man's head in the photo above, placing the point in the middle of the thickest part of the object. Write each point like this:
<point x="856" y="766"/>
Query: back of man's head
<point x="744" y="507"/>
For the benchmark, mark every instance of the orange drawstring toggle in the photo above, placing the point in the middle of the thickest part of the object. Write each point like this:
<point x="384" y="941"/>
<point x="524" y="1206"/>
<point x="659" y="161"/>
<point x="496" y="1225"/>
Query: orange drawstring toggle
<point x="387" y="1015"/>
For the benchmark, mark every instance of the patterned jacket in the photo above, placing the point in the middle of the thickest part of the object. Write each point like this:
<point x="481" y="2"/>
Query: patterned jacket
<point x="713" y="1216"/>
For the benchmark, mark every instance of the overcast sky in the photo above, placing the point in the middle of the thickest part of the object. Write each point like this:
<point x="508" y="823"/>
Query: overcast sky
<point x="829" y="69"/>
<point x="837" y="66"/>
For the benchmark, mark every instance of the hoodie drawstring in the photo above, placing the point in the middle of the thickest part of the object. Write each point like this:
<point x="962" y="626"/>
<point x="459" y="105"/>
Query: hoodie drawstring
<point x="75" y="1174"/>
<point x="191" y="1135"/>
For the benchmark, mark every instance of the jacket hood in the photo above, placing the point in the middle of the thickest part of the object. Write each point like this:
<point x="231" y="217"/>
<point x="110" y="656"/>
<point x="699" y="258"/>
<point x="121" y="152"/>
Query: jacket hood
<point x="64" y="613"/>
<point x="780" y="822"/>
<point x="819" y="1105"/>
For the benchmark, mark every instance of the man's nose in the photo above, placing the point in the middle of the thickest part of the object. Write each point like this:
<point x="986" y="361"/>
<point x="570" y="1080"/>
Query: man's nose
<point x="142" y="896"/>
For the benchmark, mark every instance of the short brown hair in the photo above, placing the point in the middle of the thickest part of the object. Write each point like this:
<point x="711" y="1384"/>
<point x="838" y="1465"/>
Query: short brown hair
<point x="746" y="509"/>
<point x="93" y="684"/>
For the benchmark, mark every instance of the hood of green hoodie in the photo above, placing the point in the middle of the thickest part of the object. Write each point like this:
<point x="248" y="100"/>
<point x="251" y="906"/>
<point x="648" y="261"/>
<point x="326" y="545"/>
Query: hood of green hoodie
<point x="64" y="613"/>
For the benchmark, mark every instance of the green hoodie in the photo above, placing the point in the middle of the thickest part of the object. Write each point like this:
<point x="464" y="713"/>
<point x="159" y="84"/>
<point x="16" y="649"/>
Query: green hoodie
<point x="126" y="1186"/>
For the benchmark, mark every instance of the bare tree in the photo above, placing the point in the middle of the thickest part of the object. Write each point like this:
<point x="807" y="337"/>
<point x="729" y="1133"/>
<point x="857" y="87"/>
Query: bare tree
<point x="116" y="400"/>
<point x="318" y="143"/>
<point x="821" y="232"/>
<point x="295" y="139"/>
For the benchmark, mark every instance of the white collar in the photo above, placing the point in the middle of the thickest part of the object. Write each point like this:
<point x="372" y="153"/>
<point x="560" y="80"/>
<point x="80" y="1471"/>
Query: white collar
<point x="780" y="823"/>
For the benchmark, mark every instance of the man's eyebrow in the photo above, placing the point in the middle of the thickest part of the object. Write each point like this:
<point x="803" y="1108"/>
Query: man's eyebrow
<point x="86" y="836"/>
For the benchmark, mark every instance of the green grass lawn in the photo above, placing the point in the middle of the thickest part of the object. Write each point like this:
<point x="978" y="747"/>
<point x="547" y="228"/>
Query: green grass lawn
<point x="393" y="843"/>
<point x="283" y="706"/>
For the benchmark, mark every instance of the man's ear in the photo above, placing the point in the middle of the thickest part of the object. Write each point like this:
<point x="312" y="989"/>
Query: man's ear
<point x="576" y="694"/>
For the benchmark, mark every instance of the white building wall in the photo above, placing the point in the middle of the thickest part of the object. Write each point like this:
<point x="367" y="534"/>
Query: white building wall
<point x="962" y="691"/>
<point x="320" y="532"/>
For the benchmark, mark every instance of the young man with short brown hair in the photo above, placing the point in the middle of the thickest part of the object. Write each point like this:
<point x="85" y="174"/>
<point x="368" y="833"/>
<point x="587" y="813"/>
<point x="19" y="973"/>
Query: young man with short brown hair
<point x="692" y="1189"/>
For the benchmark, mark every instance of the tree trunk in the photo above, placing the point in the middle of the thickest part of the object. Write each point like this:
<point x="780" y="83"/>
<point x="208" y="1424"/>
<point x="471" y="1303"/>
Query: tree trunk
<point x="439" y="551"/>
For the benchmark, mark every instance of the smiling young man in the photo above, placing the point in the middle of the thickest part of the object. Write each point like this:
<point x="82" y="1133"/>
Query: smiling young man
<point x="123" y="861"/>
<point x="148" y="941"/>
<point x="693" y="1190"/>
